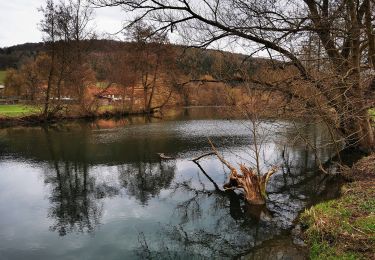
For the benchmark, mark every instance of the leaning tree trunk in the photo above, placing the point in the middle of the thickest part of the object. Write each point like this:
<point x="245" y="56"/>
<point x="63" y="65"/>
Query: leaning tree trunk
<point x="356" y="126"/>
<point x="356" y="120"/>
<point x="353" y="110"/>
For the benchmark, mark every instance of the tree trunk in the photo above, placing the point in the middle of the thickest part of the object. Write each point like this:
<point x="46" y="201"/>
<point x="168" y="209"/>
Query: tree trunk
<point x="358" y="131"/>
<point x="49" y="85"/>
<point x="355" y="119"/>
<point x="132" y="98"/>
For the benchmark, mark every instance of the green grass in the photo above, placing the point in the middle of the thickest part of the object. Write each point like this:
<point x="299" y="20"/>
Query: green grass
<point x="2" y="76"/>
<point x="106" y="108"/>
<point x="321" y="250"/>
<point x="18" y="110"/>
<point x="344" y="228"/>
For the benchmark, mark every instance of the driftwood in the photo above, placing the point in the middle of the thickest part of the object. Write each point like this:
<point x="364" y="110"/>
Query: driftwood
<point x="165" y="157"/>
<point x="252" y="184"/>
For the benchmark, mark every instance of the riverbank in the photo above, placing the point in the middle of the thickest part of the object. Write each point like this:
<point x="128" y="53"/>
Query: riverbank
<point x="24" y="115"/>
<point x="344" y="228"/>
<point x="19" y="110"/>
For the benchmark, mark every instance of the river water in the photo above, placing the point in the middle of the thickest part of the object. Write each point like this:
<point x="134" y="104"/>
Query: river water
<point x="98" y="190"/>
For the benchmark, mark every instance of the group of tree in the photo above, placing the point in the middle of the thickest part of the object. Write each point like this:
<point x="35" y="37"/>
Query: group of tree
<point x="65" y="25"/>
<point x="147" y="61"/>
<point x="60" y="67"/>
<point x="343" y="29"/>
<point x="71" y="60"/>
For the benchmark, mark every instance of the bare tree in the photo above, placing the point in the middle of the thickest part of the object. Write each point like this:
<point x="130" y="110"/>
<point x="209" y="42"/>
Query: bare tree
<point x="121" y="69"/>
<point x="65" y="26"/>
<point x="153" y="56"/>
<point x="48" y="26"/>
<point x="343" y="27"/>
<point x="78" y="30"/>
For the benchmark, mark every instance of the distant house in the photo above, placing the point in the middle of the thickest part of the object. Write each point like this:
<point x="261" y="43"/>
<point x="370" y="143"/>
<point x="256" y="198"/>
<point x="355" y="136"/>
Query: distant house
<point x="115" y="93"/>
<point x="112" y="93"/>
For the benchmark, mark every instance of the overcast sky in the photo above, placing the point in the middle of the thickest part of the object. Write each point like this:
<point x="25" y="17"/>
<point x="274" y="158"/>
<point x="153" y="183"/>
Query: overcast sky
<point x="19" y="21"/>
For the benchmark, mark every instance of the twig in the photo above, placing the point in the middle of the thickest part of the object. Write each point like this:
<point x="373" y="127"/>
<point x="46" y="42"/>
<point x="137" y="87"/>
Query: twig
<point x="201" y="156"/>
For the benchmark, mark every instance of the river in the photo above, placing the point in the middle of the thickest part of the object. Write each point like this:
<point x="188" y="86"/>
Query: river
<point x="98" y="190"/>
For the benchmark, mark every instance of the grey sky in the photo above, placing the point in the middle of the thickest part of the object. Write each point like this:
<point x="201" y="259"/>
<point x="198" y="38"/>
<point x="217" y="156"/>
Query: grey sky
<point x="19" y="21"/>
<point x="19" y="24"/>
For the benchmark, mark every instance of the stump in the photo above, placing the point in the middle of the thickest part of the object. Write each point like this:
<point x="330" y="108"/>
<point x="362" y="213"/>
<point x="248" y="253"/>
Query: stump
<point x="252" y="184"/>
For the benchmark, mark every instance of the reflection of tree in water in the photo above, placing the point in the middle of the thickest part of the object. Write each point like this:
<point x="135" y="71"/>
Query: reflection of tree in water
<point x="228" y="233"/>
<point x="75" y="194"/>
<point x="74" y="199"/>
<point x="212" y="223"/>
<point x="145" y="180"/>
<point x="299" y="183"/>
<point x="219" y="224"/>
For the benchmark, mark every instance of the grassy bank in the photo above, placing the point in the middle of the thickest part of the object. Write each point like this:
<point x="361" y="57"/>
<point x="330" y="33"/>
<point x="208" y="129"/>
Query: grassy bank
<point x="345" y="228"/>
<point x="13" y="115"/>
<point x="18" y="110"/>
<point x="21" y="110"/>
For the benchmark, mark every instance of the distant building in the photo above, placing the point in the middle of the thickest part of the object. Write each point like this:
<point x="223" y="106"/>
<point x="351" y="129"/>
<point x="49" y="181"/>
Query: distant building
<point x="115" y="93"/>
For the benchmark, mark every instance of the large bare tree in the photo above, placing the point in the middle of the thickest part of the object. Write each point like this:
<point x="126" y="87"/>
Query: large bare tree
<point x="342" y="28"/>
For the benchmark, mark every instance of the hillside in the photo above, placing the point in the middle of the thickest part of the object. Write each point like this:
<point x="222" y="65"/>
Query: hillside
<point x="14" y="56"/>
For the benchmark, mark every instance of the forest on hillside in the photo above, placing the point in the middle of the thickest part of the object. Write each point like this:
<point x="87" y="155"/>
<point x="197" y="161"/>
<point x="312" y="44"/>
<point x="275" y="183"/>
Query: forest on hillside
<point x="140" y="74"/>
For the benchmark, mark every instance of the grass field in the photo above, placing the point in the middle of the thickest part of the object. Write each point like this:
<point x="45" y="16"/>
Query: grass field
<point x="2" y="76"/>
<point x="17" y="110"/>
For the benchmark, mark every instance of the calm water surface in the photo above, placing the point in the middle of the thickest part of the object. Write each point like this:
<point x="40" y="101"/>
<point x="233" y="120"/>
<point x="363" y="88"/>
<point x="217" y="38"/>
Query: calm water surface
<point x="98" y="190"/>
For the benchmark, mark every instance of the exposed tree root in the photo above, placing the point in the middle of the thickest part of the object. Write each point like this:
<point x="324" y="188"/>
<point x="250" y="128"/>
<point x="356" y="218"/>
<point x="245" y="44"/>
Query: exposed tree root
<point x="252" y="184"/>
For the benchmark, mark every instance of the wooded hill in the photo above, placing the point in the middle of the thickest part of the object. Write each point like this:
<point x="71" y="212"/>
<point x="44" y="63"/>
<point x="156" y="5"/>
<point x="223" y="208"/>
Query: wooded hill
<point x="195" y="61"/>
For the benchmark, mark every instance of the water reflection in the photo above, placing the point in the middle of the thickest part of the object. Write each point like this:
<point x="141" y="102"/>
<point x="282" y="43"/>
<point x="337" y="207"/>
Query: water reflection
<point x="145" y="180"/>
<point x="107" y="174"/>
<point x="75" y="198"/>
<point x="213" y="223"/>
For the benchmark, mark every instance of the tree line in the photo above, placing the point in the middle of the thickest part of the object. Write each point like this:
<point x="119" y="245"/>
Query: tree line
<point x="71" y="60"/>
<point x="341" y="30"/>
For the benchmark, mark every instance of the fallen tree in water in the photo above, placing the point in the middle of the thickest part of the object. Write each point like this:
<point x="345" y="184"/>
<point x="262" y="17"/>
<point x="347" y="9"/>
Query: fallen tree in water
<point x="252" y="184"/>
